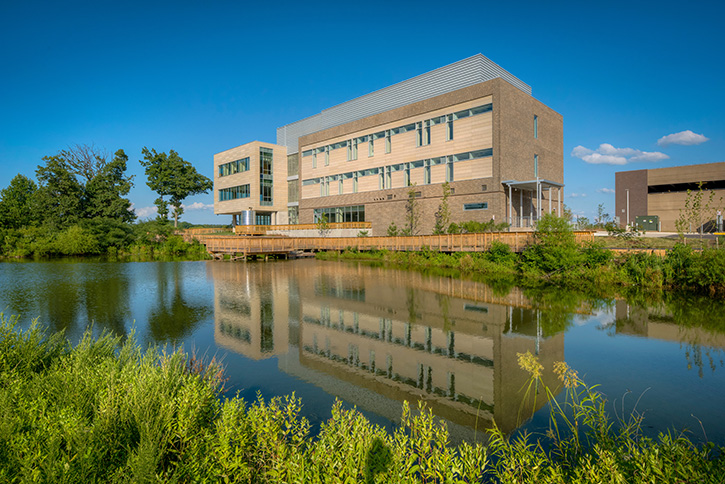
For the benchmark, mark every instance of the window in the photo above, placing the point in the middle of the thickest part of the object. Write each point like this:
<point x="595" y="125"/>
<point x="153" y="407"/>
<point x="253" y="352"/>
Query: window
<point x="233" y="193"/>
<point x="449" y="127"/>
<point x="449" y="170"/>
<point x="426" y="172"/>
<point x="354" y="183"/>
<point x="355" y="213"/>
<point x="265" y="176"/>
<point x="387" y="141"/>
<point x="354" y="149"/>
<point x="475" y="206"/>
<point x="371" y="146"/>
<point x="536" y="127"/>
<point x="236" y="166"/>
<point x="327" y="156"/>
<point x="418" y="134"/>
<point x="265" y="195"/>
<point x="426" y="133"/>
<point x="536" y="166"/>
<point x="314" y="159"/>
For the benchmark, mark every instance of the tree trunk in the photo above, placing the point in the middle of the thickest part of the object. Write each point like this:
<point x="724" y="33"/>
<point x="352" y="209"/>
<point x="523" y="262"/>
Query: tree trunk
<point x="176" y="218"/>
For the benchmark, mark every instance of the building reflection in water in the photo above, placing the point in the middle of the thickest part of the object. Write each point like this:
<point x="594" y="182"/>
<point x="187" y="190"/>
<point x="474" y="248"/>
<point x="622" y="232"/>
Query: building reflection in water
<point x="400" y="335"/>
<point x="696" y="328"/>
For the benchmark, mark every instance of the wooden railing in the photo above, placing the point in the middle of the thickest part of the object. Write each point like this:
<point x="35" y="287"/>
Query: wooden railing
<point x="231" y="244"/>
<point x="263" y="229"/>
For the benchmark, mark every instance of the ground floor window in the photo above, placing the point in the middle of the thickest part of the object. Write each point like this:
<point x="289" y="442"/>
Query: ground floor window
<point x="293" y="214"/>
<point x="354" y="213"/>
<point x="263" y="219"/>
<point x="475" y="206"/>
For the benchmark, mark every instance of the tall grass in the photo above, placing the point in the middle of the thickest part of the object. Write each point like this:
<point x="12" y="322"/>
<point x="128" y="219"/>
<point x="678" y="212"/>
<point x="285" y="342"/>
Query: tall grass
<point x="107" y="411"/>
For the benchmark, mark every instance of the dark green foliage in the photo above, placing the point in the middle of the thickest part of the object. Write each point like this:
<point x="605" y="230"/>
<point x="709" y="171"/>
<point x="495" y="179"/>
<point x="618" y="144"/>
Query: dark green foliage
<point x="61" y="197"/>
<point x="106" y="191"/>
<point x="172" y="176"/>
<point x="17" y="207"/>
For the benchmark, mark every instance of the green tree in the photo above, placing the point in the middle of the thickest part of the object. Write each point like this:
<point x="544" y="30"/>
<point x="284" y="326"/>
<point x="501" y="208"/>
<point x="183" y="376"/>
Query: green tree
<point x="172" y="176"/>
<point x="443" y="214"/>
<point x="16" y="203"/>
<point x="60" y="196"/>
<point x="412" y="213"/>
<point x="699" y="209"/>
<point x="105" y="191"/>
<point x="323" y="225"/>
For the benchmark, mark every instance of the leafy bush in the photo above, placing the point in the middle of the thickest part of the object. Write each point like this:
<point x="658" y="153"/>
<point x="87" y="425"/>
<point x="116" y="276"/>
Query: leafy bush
<point x="76" y="241"/>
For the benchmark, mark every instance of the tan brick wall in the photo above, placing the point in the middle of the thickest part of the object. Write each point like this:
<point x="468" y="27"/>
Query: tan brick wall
<point x="251" y="177"/>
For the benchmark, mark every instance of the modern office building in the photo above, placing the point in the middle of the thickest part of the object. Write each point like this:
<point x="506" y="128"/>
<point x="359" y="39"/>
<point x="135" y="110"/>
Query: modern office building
<point x="471" y="124"/>
<point x="662" y="192"/>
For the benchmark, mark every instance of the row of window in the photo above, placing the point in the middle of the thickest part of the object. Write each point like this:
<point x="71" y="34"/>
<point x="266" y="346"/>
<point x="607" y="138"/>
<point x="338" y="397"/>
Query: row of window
<point x="233" y="193"/>
<point x="422" y="129"/>
<point x="385" y="172"/>
<point x="354" y="213"/>
<point x="236" y="166"/>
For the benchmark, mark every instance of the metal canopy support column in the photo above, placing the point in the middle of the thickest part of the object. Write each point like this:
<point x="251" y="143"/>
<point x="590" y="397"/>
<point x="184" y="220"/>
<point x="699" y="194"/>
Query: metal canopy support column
<point x="560" y="212"/>
<point x="510" y="207"/>
<point x="521" y="207"/>
<point x="549" y="192"/>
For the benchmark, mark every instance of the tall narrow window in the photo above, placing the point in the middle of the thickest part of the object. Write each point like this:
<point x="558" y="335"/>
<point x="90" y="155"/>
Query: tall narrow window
<point x="536" y="166"/>
<point x="354" y="183"/>
<point x="449" y="127"/>
<point x="381" y="183"/>
<point x="265" y="176"/>
<point x="426" y="172"/>
<point x="371" y="146"/>
<point x="449" y="170"/>
<point x="406" y="181"/>
<point x="327" y="156"/>
<point x="314" y="158"/>
<point x="349" y="150"/>
<point x="426" y="132"/>
<point x="536" y="127"/>
<point x="387" y="141"/>
<point x="354" y="149"/>
<point x="418" y="134"/>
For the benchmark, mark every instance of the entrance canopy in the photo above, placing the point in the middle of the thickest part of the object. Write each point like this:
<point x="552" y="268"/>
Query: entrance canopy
<point x="536" y="186"/>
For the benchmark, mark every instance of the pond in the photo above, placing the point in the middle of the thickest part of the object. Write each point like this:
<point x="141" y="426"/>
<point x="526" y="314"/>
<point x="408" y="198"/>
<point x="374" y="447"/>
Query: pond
<point x="374" y="337"/>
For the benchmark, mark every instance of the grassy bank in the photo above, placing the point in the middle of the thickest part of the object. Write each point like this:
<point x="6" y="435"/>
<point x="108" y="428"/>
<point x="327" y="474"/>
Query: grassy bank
<point x="107" y="411"/>
<point x="555" y="259"/>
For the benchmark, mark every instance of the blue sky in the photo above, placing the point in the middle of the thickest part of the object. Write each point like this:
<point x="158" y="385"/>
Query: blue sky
<point x="201" y="77"/>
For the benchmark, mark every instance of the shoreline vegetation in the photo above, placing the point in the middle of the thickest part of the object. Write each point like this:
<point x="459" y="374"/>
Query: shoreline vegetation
<point x="556" y="260"/>
<point x="107" y="410"/>
<point x="142" y="241"/>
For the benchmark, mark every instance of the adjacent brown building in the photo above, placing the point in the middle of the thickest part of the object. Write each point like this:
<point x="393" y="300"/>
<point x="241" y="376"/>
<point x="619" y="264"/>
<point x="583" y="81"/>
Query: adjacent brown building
<point x="662" y="192"/>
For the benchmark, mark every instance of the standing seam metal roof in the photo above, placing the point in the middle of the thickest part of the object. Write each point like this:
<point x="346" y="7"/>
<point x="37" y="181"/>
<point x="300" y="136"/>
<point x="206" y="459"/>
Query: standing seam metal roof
<point x="464" y="73"/>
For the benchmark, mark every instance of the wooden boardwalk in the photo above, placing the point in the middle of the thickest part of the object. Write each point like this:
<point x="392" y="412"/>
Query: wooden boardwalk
<point x="242" y="246"/>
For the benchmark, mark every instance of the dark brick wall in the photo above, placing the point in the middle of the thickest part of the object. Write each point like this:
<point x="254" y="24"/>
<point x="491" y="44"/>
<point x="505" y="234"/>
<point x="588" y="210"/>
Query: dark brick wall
<point x="636" y="182"/>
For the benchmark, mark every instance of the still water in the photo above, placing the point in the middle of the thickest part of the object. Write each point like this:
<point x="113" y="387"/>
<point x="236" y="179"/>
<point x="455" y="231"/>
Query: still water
<point x="375" y="337"/>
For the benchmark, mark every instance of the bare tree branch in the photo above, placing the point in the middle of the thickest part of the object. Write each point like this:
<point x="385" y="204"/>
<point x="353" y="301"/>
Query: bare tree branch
<point x="84" y="160"/>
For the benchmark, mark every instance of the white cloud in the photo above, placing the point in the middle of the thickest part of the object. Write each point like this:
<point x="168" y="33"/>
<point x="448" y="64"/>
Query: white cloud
<point x="607" y="154"/>
<point x="686" y="138"/>
<point x="578" y="195"/>
<point x="144" y="212"/>
<point x="606" y="190"/>
<point x="198" y="206"/>
<point x="649" y="156"/>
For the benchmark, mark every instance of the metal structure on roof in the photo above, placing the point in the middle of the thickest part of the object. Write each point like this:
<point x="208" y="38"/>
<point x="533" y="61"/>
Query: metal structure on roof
<point x="461" y="74"/>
